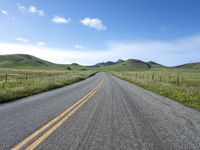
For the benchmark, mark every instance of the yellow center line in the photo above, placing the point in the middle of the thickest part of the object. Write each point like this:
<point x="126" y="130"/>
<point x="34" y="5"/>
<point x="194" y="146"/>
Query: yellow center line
<point x="56" y="126"/>
<point x="64" y="116"/>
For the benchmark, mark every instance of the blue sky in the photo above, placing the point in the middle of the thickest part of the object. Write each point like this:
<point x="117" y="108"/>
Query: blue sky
<point x="91" y="31"/>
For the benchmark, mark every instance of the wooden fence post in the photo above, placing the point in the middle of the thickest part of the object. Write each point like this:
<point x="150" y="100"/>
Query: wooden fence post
<point x="153" y="77"/>
<point x="6" y="77"/>
<point x="26" y="77"/>
<point x="182" y="81"/>
<point x="177" y="79"/>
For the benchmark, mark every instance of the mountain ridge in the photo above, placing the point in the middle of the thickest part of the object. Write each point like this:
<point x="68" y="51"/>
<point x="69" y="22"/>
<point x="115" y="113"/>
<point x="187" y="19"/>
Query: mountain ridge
<point x="24" y="61"/>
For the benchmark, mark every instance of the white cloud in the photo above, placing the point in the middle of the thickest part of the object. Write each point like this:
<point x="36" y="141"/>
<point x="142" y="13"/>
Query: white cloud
<point x="31" y="9"/>
<point x="34" y="10"/>
<point x="77" y="46"/>
<point x="61" y="20"/>
<point x="21" y="8"/>
<point x="4" y="12"/>
<point x="179" y="51"/>
<point x="93" y="23"/>
<point x="41" y="44"/>
<point x="22" y="40"/>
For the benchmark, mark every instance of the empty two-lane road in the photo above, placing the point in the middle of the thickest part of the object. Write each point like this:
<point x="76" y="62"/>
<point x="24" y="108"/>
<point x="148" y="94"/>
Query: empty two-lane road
<point x="101" y="112"/>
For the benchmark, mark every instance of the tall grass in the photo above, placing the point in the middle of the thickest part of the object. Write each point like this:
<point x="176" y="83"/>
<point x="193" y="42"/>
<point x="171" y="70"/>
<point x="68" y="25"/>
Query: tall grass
<point x="16" y="84"/>
<point x="180" y="85"/>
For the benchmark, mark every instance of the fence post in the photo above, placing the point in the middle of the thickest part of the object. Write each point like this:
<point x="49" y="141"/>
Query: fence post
<point x="182" y="81"/>
<point x="169" y="78"/>
<point x="177" y="78"/>
<point x="6" y="77"/>
<point x="160" y="78"/>
<point x="153" y="77"/>
<point x="26" y="77"/>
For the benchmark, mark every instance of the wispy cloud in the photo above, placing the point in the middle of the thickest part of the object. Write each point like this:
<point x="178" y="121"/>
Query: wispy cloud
<point x="178" y="51"/>
<point x="41" y="44"/>
<point x="34" y="10"/>
<point x="77" y="46"/>
<point x="4" y="12"/>
<point x="19" y="39"/>
<point x="21" y="8"/>
<point x="61" y="20"/>
<point x="31" y="9"/>
<point x="93" y="23"/>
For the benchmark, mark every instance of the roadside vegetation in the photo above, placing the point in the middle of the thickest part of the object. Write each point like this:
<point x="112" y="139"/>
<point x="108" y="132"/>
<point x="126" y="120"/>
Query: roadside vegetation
<point x="181" y="85"/>
<point x="28" y="75"/>
<point x="16" y="84"/>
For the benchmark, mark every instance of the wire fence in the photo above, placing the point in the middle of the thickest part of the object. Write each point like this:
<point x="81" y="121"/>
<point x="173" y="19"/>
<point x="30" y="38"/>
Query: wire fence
<point x="16" y="76"/>
<point x="175" y="79"/>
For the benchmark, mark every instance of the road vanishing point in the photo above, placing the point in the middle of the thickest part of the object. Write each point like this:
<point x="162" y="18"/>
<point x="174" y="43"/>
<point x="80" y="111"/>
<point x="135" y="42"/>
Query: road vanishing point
<point x="102" y="112"/>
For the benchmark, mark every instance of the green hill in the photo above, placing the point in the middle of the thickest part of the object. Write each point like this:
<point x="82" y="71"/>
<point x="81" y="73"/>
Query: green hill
<point x="155" y="65"/>
<point x="128" y="65"/>
<point x="22" y="61"/>
<point x="190" y="66"/>
<point x="104" y="64"/>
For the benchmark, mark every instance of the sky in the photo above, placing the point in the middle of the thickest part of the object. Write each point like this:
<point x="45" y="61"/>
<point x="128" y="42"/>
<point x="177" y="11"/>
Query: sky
<point x="92" y="31"/>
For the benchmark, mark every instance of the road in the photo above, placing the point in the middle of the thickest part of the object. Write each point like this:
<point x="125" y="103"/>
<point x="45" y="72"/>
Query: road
<point x="101" y="112"/>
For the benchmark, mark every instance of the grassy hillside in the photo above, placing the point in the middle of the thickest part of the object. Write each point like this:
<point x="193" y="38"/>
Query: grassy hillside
<point x="104" y="64"/>
<point x="22" y="61"/>
<point x="155" y="65"/>
<point x="138" y="65"/>
<point x="128" y="65"/>
<point x="190" y="66"/>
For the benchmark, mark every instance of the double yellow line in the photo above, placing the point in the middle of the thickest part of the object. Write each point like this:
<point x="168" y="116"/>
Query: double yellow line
<point x="32" y="141"/>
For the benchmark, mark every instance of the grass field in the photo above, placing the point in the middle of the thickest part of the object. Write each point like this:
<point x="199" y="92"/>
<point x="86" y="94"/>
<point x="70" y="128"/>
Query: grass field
<point x="181" y="85"/>
<point x="16" y="84"/>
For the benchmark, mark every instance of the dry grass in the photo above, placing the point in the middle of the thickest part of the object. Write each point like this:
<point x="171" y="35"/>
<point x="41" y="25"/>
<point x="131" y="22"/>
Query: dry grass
<point x="180" y="85"/>
<point x="16" y="84"/>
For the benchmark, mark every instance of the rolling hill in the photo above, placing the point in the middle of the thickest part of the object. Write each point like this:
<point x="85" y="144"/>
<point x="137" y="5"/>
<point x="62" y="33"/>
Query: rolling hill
<point x="190" y="66"/>
<point x="155" y="65"/>
<point x="23" y="61"/>
<point x="128" y="65"/>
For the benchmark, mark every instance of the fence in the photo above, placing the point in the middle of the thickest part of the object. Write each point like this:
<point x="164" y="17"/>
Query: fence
<point x="175" y="79"/>
<point x="13" y="76"/>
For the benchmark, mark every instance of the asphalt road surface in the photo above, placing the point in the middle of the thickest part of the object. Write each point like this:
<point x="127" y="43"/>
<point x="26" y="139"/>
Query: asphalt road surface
<point x="101" y="112"/>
